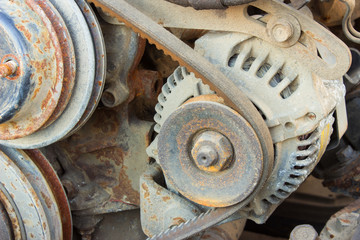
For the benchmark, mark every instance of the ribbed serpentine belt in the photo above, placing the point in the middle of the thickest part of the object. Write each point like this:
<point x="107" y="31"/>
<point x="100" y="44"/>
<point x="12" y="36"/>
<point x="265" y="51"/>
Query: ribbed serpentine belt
<point x="204" y="70"/>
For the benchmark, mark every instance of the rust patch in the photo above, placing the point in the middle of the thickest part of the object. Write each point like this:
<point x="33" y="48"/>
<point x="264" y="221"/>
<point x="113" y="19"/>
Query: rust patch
<point x="178" y="220"/>
<point x="25" y="31"/>
<point x="68" y="58"/>
<point x="125" y="190"/>
<point x="47" y="200"/>
<point x="146" y="189"/>
<point x="166" y="198"/>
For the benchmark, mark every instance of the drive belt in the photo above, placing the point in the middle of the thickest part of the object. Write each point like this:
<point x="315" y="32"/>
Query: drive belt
<point x="225" y="88"/>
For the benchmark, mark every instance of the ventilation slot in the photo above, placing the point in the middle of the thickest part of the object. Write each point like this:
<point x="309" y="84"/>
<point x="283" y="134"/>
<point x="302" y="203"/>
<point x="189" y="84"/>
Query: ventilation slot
<point x="289" y="90"/>
<point x="263" y="70"/>
<point x="247" y="64"/>
<point x="232" y="60"/>
<point x="276" y="79"/>
<point x="305" y="143"/>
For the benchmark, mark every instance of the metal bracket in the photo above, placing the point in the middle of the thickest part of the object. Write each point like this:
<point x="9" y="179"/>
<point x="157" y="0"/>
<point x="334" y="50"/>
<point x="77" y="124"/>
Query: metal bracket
<point x="237" y="19"/>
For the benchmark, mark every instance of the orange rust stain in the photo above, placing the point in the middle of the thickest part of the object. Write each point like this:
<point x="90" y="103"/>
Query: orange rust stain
<point x="47" y="200"/>
<point x="125" y="189"/>
<point x="345" y="220"/>
<point x="13" y="186"/>
<point x="47" y="46"/>
<point x="25" y="31"/>
<point x="146" y="189"/>
<point x="45" y="102"/>
<point x="35" y="93"/>
<point x="166" y="198"/>
<point x="178" y="220"/>
<point x="312" y="35"/>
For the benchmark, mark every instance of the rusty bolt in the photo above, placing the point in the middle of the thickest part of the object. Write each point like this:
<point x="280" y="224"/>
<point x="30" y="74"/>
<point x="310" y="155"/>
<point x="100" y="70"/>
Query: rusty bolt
<point x="212" y="151"/>
<point x="281" y="30"/>
<point x="8" y="68"/>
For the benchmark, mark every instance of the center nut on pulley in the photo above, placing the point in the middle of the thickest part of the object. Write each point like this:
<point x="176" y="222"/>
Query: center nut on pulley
<point x="52" y="69"/>
<point x="210" y="153"/>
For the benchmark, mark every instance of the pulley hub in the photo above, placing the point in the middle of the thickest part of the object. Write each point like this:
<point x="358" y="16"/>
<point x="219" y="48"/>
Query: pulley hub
<point x="212" y="151"/>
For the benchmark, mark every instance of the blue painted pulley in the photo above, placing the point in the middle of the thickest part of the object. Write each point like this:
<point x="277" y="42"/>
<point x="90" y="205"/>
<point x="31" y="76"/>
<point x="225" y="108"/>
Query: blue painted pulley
<point x="30" y="94"/>
<point x="77" y="65"/>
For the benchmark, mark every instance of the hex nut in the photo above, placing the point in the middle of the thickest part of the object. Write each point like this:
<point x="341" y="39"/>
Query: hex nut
<point x="211" y="151"/>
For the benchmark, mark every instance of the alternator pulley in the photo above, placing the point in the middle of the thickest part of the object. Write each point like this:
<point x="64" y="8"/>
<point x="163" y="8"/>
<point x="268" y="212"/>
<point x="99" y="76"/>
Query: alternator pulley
<point x="210" y="154"/>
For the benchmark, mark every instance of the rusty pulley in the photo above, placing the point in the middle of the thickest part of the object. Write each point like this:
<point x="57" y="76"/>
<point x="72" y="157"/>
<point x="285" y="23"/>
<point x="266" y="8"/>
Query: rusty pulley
<point x="52" y="70"/>
<point x="210" y="154"/>
<point x="33" y="203"/>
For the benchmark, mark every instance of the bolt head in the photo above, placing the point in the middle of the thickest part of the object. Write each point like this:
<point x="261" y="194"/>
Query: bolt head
<point x="206" y="156"/>
<point x="212" y="151"/>
<point x="282" y="31"/>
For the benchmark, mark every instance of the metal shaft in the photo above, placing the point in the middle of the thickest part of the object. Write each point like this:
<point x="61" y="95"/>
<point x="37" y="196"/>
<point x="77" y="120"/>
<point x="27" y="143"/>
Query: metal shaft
<point x="8" y="68"/>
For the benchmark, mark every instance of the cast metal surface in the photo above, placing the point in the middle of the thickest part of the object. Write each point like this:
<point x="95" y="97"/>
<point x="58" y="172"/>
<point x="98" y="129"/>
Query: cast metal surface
<point x="5" y="224"/>
<point x="137" y="27"/>
<point x="229" y="20"/>
<point x="305" y="151"/>
<point x="151" y="30"/>
<point x="185" y="55"/>
<point x="76" y="36"/>
<point x="30" y="95"/>
<point x="29" y="198"/>
<point x="68" y="57"/>
<point x="101" y="161"/>
<point x="212" y="151"/>
<point x="214" y="187"/>
<point x="85" y="63"/>
<point x="344" y="224"/>
<point x="100" y="63"/>
<point x="155" y="219"/>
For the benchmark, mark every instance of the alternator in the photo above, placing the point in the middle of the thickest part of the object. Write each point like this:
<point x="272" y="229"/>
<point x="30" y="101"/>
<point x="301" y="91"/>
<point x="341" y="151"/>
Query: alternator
<point x="296" y="105"/>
